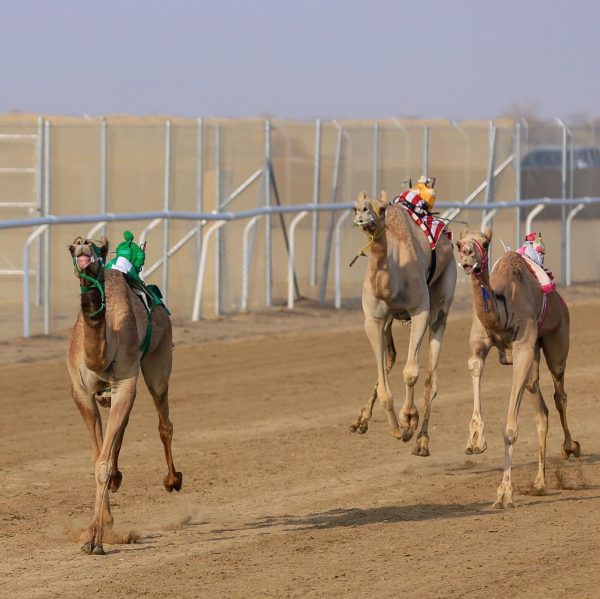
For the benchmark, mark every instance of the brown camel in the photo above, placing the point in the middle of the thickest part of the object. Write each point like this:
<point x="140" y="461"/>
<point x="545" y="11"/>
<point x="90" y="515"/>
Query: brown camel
<point x="395" y="286"/>
<point x="104" y="351"/>
<point x="509" y="313"/>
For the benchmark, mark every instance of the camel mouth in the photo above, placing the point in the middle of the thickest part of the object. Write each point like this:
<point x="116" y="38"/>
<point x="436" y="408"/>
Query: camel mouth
<point x="84" y="261"/>
<point x="368" y="225"/>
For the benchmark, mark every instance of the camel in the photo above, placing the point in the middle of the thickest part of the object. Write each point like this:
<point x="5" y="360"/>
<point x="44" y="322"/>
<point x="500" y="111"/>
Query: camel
<point x="510" y="313"/>
<point x="396" y="287"/>
<point x="104" y="351"/>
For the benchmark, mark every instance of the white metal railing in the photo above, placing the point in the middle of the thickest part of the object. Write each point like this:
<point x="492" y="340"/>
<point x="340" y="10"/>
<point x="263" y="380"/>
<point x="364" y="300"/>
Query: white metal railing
<point x="220" y="219"/>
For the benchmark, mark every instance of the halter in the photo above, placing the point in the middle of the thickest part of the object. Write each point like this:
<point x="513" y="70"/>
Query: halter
<point x="379" y="229"/>
<point x="478" y="268"/>
<point x="95" y="283"/>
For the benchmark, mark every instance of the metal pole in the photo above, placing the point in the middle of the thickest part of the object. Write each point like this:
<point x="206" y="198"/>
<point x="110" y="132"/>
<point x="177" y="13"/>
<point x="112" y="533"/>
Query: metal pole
<point x="47" y="253"/>
<point x="268" y="257"/>
<point x="39" y="153"/>
<point x="315" y="201"/>
<point x="569" y="261"/>
<point x="246" y="262"/>
<point x="425" y="166"/>
<point x="333" y="200"/>
<point x="26" y="285"/>
<point x="166" y="204"/>
<point x="489" y="190"/>
<point x="532" y="215"/>
<point x="103" y="160"/>
<point x="338" y="259"/>
<point x="197" y="308"/>
<point x="402" y="128"/>
<point x="199" y="183"/>
<point x="563" y="209"/>
<point x="375" y="173"/>
<point x="517" y="167"/>
<point x="218" y="255"/>
<point x="291" y="258"/>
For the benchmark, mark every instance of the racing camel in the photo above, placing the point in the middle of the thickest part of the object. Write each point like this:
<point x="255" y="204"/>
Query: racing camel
<point x="512" y="313"/>
<point x="403" y="282"/>
<point x="105" y="351"/>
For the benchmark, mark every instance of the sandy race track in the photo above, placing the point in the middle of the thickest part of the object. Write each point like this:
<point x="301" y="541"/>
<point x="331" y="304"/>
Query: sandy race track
<point x="279" y="498"/>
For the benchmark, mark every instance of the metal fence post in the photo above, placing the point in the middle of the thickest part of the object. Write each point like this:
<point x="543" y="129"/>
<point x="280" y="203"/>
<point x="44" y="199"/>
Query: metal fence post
<point x="489" y="190"/>
<point x="218" y="242"/>
<point x="425" y="165"/>
<point x="569" y="242"/>
<point x="517" y="167"/>
<point x="39" y="209"/>
<point x="563" y="208"/>
<point x="47" y="249"/>
<point x="268" y="256"/>
<point x="292" y="257"/>
<point x="375" y="166"/>
<point x="334" y="189"/>
<point x="199" y="183"/>
<point x="166" y="205"/>
<point x="103" y="177"/>
<point x="338" y="259"/>
<point x="315" y="201"/>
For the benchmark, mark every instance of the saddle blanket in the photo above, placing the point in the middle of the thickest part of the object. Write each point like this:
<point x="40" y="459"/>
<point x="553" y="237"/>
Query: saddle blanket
<point x="417" y="208"/>
<point x="542" y="275"/>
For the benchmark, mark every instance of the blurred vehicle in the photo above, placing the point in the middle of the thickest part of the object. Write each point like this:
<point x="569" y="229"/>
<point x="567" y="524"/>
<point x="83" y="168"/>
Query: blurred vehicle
<point x="541" y="170"/>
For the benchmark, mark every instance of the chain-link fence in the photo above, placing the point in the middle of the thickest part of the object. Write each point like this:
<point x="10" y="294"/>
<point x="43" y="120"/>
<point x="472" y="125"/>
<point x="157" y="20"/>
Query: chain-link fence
<point x="65" y="166"/>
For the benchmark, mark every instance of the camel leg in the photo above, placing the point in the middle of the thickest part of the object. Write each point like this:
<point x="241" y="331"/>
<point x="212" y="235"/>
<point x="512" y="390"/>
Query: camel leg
<point x="123" y="396"/>
<point x="156" y="369"/>
<point x="409" y="415"/>
<point x="437" y="327"/>
<point x="375" y="330"/>
<point x="361" y="424"/>
<point x="88" y="408"/>
<point x="480" y="347"/>
<point x="523" y="358"/>
<point x="534" y="393"/>
<point x="555" y="351"/>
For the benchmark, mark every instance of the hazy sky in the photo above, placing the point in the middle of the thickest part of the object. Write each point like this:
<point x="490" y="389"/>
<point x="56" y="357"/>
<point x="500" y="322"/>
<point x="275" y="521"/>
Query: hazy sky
<point x="459" y="59"/>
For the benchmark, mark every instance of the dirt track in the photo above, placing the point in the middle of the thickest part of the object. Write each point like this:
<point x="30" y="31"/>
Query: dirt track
<point x="279" y="498"/>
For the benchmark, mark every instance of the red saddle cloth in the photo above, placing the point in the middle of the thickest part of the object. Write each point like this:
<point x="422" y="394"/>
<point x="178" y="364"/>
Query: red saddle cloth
<point x="419" y="212"/>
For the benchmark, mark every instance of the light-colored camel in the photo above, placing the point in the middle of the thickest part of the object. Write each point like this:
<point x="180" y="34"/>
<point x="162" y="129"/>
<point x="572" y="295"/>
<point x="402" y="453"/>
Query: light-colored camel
<point x="509" y="313"/>
<point x="104" y="351"/>
<point x="395" y="286"/>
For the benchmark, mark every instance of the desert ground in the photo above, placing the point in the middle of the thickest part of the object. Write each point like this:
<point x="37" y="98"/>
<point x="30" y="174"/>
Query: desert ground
<point x="279" y="499"/>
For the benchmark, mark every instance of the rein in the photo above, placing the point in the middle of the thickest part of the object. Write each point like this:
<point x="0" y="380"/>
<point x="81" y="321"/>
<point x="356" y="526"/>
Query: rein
<point x="378" y="233"/>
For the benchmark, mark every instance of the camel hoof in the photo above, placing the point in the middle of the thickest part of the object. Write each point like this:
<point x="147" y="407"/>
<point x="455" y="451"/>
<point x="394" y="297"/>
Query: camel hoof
<point x="500" y="504"/>
<point x="469" y="450"/>
<point x="359" y="427"/>
<point x="421" y="451"/>
<point x="115" y="481"/>
<point x="406" y="434"/>
<point x="478" y="450"/>
<point x="574" y="449"/>
<point x="98" y="550"/>
<point x="87" y="548"/>
<point x="173" y="484"/>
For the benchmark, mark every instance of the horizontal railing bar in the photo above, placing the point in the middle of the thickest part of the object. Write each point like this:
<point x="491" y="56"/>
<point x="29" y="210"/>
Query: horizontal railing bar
<point x="232" y="216"/>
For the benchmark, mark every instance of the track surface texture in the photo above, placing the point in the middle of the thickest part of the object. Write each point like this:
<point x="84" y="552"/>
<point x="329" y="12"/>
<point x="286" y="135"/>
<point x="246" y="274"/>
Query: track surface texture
<point x="279" y="499"/>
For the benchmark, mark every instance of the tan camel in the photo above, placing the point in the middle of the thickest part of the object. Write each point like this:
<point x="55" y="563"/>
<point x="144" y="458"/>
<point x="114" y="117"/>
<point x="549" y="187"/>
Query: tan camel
<point x="509" y="313"/>
<point x="105" y="351"/>
<point x="395" y="286"/>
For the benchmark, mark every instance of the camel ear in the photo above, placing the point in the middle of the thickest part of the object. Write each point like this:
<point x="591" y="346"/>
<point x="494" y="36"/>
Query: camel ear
<point x="383" y="196"/>
<point x="463" y="234"/>
<point x="362" y="196"/>
<point x="487" y="233"/>
<point x="103" y="247"/>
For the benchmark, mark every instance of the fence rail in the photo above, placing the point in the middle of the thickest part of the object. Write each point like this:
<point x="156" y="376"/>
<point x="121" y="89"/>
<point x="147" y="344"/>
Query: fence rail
<point x="220" y="219"/>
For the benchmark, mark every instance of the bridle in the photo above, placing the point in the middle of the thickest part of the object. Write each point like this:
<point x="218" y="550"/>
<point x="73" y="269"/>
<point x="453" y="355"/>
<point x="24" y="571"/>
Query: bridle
<point x="478" y="267"/>
<point x="95" y="283"/>
<point x="379" y="229"/>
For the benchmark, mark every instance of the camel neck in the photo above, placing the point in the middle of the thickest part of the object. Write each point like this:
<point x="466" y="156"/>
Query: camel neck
<point x="94" y="329"/>
<point x="484" y="301"/>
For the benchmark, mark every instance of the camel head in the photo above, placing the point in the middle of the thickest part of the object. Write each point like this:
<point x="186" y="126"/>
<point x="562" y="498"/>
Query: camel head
<point x="89" y="256"/>
<point x="369" y="212"/>
<point x="473" y="247"/>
